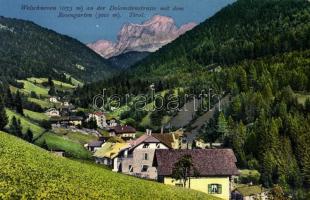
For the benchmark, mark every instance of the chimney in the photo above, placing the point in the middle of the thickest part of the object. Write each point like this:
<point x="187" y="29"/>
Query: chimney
<point x="148" y="132"/>
<point x="162" y="130"/>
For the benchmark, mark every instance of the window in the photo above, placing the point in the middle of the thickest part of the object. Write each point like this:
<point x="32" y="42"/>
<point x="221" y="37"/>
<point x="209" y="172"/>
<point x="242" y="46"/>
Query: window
<point x="144" y="168"/>
<point x="215" y="189"/>
<point x="130" y="168"/>
<point x="146" y="146"/>
<point x="146" y="156"/>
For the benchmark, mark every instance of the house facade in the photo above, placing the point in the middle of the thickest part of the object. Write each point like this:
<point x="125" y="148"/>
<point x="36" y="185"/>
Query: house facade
<point x="109" y="154"/>
<point x="214" y="169"/>
<point x="138" y="159"/>
<point x="94" y="145"/>
<point x="53" y="99"/>
<point x="52" y="112"/>
<point x="125" y="132"/>
<point x="111" y="122"/>
<point x="67" y="120"/>
<point x="100" y="119"/>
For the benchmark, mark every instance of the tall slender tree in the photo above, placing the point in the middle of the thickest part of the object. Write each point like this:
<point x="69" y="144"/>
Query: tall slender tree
<point x="15" y="127"/>
<point x="19" y="103"/>
<point x="184" y="169"/>
<point x="222" y="126"/>
<point x="9" y="101"/>
<point x="28" y="136"/>
<point x="3" y="116"/>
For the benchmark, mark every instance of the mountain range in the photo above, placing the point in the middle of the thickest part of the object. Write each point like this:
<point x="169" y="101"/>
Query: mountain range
<point x="149" y="36"/>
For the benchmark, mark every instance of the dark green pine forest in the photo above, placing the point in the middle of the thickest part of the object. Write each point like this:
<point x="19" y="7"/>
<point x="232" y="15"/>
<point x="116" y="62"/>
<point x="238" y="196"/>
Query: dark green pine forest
<point x="258" y="52"/>
<point x="30" y="50"/>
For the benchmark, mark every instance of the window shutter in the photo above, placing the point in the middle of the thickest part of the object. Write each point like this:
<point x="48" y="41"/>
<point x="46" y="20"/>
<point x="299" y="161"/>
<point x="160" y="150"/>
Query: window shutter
<point x="209" y="188"/>
<point x="220" y="189"/>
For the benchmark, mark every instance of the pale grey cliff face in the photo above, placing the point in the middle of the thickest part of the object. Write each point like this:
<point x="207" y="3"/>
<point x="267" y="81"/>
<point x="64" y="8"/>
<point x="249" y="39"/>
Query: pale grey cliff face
<point x="146" y="37"/>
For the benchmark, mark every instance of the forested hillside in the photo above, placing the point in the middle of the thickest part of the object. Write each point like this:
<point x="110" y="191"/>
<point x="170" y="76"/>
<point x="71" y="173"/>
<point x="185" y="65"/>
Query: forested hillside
<point x="266" y="123"/>
<point x="28" y="50"/>
<point x="247" y="29"/>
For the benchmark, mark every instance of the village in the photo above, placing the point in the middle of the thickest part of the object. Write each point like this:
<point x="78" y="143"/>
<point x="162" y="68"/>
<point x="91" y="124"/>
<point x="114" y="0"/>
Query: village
<point x="155" y="155"/>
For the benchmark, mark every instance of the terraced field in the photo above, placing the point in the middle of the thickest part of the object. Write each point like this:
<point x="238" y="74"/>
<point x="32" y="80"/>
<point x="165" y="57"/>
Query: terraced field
<point x="31" y="87"/>
<point x="35" y="115"/>
<point x="58" y="84"/>
<point x="26" y="123"/>
<point x="29" y="172"/>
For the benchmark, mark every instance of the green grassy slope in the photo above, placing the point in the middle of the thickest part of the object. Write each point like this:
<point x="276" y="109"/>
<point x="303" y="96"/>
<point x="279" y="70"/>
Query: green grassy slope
<point x="43" y="103"/>
<point x="30" y="87"/>
<point x="58" y="84"/>
<point x="36" y="116"/>
<point x="72" y="148"/>
<point x="30" y="172"/>
<point x="26" y="123"/>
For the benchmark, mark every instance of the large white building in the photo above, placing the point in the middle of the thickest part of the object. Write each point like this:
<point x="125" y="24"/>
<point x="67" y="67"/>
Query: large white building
<point x="100" y="119"/>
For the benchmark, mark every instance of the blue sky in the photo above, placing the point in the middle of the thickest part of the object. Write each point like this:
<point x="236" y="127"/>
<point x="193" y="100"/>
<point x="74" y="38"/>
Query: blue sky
<point x="91" y="29"/>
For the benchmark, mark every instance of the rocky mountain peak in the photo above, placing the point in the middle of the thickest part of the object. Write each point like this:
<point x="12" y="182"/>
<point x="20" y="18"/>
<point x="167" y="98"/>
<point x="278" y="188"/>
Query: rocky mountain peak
<point x="148" y="36"/>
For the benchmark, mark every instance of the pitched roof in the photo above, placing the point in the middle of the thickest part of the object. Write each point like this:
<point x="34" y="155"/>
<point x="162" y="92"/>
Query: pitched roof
<point x="51" y="109"/>
<point x="123" y="129"/>
<point x="208" y="162"/>
<point x="110" y="150"/>
<point x="166" y="138"/>
<point x="98" y="113"/>
<point x="138" y="141"/>
<point x="95" y="144"/>
<point x="250" y="190"/>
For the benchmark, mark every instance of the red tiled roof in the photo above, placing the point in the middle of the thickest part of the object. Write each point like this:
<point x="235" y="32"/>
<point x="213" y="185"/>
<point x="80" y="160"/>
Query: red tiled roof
<point x="208" y="162"/>
<point x="98" y="113"/>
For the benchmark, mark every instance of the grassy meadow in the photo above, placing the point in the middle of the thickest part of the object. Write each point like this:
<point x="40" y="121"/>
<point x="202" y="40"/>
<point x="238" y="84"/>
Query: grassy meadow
<point x="29" y="172"/>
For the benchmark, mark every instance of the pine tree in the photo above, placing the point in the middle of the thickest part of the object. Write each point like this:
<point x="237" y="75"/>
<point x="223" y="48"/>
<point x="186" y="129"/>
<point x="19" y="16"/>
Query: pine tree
<point x="238" y="140"/>
<point x="210" y="134"/>
<point x="28" y="136"/>
<point x="52" y="91"/>
<point x="15" y="127"/>
<point x="19" y="103"/>
<point x="50" y="82"/>
<point x="3" y="116"/>
<point x="307" y="105"/>
<point x="45" y="145"/>
<point x="222" y="126"/>
<point x="9" y="101"/>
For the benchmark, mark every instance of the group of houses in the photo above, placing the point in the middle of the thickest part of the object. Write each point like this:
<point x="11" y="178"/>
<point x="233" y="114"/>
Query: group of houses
<point x="64" y="114"/>
<point x="153" y="156"/>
